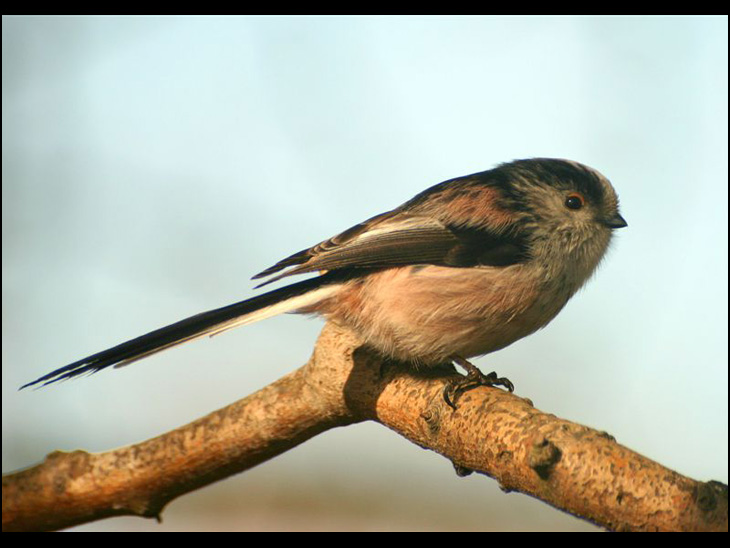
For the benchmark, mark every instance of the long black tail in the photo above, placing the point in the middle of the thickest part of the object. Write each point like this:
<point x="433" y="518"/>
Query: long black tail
<point x="288" y="298"/>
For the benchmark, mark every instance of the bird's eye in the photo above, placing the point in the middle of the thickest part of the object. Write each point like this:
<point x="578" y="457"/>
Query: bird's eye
<point x="574" y="201"/>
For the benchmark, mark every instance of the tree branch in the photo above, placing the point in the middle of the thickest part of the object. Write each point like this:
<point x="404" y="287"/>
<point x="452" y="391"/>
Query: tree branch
<point x="572" y="467"/>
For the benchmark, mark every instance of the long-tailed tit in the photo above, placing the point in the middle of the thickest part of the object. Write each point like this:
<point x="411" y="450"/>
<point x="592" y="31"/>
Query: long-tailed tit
<point x="464" y="268"/>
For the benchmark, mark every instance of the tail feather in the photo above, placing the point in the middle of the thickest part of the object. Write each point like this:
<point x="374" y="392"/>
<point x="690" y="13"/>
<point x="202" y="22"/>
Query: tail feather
<point x="285" y="299"/>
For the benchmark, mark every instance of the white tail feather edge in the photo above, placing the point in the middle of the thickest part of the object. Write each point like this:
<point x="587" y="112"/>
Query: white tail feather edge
<point x="290" y="305"/>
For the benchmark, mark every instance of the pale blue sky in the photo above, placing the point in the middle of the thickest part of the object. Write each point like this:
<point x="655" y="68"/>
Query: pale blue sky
<point x="152" y="165"/>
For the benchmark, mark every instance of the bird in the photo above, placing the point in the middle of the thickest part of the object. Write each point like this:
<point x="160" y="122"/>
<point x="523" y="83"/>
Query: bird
<point x="462" y="269"/>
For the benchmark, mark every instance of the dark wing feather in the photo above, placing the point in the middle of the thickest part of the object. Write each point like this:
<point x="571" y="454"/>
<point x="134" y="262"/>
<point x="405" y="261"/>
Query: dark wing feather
<point x="398" y="239"/>
<point x="336" y="241"/>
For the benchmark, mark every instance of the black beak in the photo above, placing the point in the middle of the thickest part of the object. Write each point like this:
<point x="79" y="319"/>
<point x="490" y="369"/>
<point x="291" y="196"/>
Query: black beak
<point x="617" y="221"/>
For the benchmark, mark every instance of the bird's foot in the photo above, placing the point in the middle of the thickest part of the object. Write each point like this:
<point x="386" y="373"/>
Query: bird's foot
<point x="473" y="378"/>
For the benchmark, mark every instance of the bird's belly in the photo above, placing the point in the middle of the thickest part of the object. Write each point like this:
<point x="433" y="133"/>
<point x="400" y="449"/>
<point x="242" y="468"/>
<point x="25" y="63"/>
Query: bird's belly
<point x="428" y="314"/>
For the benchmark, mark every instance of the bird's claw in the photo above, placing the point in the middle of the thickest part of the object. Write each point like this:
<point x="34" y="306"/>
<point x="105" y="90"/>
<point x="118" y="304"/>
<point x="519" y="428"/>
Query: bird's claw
<point x="473" y="378"/>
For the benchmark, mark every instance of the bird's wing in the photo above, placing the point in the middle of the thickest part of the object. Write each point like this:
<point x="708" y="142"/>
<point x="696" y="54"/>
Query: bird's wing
<point x="396" y="239"/>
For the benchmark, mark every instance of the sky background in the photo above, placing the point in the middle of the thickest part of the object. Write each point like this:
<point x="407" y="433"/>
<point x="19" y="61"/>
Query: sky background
<point x="150" y="166"/>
